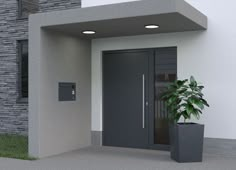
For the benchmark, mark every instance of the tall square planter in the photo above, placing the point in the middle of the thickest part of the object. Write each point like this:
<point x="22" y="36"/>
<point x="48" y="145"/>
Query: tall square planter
<point x="186" y="142"/>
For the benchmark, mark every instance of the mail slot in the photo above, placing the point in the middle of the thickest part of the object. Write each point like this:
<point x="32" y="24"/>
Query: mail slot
<point x="67" y="91"/>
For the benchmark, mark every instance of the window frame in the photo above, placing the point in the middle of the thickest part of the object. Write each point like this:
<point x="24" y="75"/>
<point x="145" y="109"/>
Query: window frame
<point x="20" y="10"/>
<point x="20" y="98"/>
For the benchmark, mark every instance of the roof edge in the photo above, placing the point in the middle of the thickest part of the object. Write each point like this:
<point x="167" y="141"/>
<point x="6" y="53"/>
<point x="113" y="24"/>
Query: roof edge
<point x="187" y="10"/>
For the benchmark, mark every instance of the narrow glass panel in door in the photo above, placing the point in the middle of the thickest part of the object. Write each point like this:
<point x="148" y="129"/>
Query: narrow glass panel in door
<point x="165" y="73"/>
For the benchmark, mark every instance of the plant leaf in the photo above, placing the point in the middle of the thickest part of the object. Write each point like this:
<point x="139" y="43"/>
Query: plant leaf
<point x="192" y="79"/>
<point x="205" y="102"/>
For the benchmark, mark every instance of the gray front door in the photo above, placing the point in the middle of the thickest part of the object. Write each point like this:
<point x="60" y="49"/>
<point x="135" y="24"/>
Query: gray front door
<point x="133" y="113"/>
<point x="125" y="76"/>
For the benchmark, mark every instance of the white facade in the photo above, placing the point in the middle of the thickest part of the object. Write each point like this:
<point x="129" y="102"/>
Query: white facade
<point x="208" y="55"/>
<point x="56" y="127"/>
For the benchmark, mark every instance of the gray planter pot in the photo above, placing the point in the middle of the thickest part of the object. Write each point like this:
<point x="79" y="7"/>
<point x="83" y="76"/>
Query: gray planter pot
<point x="186" y="142"/>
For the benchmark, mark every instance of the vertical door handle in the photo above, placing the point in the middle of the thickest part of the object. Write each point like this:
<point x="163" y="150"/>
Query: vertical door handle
<point x="143" y="111"/>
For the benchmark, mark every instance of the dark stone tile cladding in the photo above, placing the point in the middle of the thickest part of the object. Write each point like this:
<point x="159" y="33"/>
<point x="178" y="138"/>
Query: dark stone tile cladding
<point x="14" y="114"/>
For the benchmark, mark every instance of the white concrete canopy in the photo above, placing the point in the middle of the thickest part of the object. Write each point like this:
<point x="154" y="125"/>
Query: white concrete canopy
<point x="128" y="18"/>
<point x="58" y="52"/>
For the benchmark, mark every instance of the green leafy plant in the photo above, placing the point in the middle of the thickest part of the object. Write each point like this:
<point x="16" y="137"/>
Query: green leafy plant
<point x="184" y="98"/>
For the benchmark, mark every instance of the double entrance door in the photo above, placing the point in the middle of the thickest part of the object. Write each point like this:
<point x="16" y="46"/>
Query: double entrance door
<point x="134" y="115"/>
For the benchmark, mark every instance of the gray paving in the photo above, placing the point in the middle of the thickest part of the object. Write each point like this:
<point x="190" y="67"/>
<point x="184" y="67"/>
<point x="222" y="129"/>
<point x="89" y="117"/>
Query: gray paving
<point x="109" y="158"/>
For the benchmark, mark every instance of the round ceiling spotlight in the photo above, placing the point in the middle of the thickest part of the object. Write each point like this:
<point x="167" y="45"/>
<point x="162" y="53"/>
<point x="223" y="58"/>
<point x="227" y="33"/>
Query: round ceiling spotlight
<point x="151" y="26"/>
<point x="88" y="32"/>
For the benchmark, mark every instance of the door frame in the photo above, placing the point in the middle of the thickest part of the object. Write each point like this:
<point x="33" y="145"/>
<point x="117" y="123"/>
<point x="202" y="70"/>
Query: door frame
<point x="150" y="92"/>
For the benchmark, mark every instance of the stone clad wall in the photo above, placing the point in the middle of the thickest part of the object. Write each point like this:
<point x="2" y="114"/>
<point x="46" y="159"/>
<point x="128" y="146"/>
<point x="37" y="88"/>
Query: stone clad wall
<point x="52" y="5"/>
<point x="30" y="6"/>
<point x="14" y="112"/>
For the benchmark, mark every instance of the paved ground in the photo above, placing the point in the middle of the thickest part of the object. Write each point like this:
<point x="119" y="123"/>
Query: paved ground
<point x="108" y="158"/>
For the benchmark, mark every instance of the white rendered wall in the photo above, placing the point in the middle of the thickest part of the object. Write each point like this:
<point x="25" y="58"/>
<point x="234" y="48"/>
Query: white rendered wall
<point x="208" y="55"/>
<point x="57" y="127"/>
<point x="89" y="3"/>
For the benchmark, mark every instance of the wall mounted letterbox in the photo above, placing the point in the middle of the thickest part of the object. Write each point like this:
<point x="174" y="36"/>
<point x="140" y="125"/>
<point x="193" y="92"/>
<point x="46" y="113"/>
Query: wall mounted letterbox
<point x="67" y="91"/>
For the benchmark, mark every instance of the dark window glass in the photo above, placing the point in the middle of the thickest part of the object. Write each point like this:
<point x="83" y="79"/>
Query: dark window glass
<point x="26" y="7"/>
<point x="23" y="68"/>
<point x="165" y="73"/>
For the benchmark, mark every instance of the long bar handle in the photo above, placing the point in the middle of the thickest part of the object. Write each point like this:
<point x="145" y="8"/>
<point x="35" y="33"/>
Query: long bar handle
<point x="143" y="101"/>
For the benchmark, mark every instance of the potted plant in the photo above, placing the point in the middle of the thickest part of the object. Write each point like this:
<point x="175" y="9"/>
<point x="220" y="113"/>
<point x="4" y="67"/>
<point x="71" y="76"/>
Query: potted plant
<point x="184" y="99"/>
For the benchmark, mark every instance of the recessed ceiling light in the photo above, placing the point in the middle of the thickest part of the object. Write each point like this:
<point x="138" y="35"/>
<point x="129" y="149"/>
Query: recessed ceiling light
<point x="151" y="26"/>
<point x="88" y="32"/>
